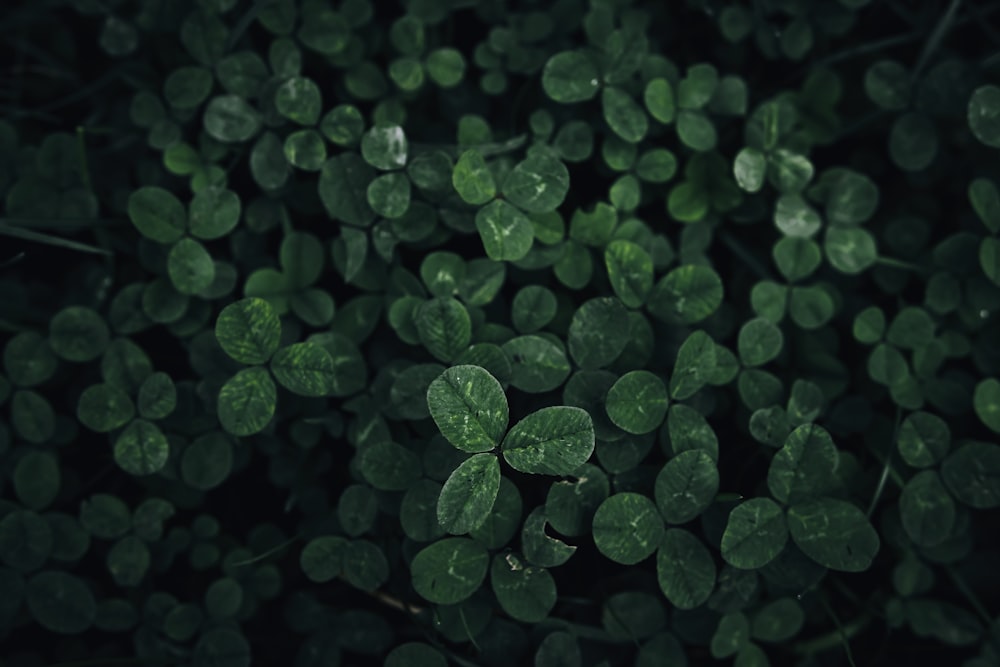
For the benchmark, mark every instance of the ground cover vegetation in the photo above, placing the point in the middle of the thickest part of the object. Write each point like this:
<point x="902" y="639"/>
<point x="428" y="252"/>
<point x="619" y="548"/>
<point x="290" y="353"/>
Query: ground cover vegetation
<point x="493" y="332"/>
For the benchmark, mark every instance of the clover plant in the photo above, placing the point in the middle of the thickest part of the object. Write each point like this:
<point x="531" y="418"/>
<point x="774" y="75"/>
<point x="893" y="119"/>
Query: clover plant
<point x="580" y="333"/>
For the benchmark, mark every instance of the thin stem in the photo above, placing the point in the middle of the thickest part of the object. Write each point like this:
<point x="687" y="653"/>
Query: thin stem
<point x="887" y="468"/>
<point x="747" y="257"/>
<point x="81" y="147"/>
<point x="899" y="264"/>
<point x="932" y="44"/>
<point x="269" y="552"/>
<point x="969" y="594"/>
<point x="831" y="639"/>
<point x="28" y="235"/>
<point x="844" y="637"/>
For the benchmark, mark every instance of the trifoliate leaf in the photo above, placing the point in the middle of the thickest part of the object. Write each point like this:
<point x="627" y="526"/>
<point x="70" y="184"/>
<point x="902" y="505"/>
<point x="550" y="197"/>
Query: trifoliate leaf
<point x="468" y="495"/>
<point x="551" y="441"/>
<point x="469" y="407"/>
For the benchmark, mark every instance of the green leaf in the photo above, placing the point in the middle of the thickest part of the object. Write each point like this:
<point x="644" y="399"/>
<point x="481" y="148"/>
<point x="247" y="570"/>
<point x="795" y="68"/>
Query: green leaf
<point x="805" y="466"/>
<point x="343" y="184"/>
<point x="749" y="168"/>
<point x="78" y="333"/>
<point x="305" y="150"/>
<point x="230" y="119"/>
<point x="696" y="89"/>
<point x="444" y="327"/>
<point x="686" y="486"/>
<point x="598" y="332"/>
<point x="852" y="198"/>
<point x="247" y="402"/>
<point x="468" y="495"/>
<point x="469" y="407"/>
<point x="104" y="408"/>
<point x="26" y="540"/>
<point x="389" y="195"/>
<point x="473" y="179"/>
<point x="986" y="401"/>
<point x="248" y="330"/>
<point x="984" y="114"/>
<point x="141" y="449"/>
<point x="789" y="172"/>
<point x="322" y="559"/>
<point x="384" y="146"/>
<point x="446" y="66"/>
<point x="551" y="441"/>
<point x="637" y="402"/>
<point x="389" y="466"/>
<point x="595" y="227"/>
<point x="887" y="84"/>
<point x="569" y="77"/>
<point x="923" y="439"/>
<point x="504" y="521"/>
<point x="755" y="534"/>
<point x="415" y="654"/>
<point x="537" y="364"/>
<point x="926" y="509"/>
<point x="696" y="131"/>
<point x="985" y="200"/>
<point x="570" y="505"/>
<point x="301" y="257"/>
<point x="989" y="258"/>
<point x="693" y="368"/>
<point x="630" y="271"/>
<point x="731" y="636"/>
<point x="128" y="561"/>
<point x="849" y="249"/>
<point x="157" y="214"/>
<point x="627" y="528"/>
<point x="299" y="100"/>
<point x="759" y="342"/>
<point x="306" y="369"/>
<point x="972" y="474"/>
<point x="213" y="213"/>
<point x="207" y="461"/>
<point x="32" y="416"/>
<point x="659" y="99"/>
<point x="656" y="165"/>
<point x="525" y="592"/>
<point x="532" y="308"/>
<point x="537" y="184"/>
<point x="36" y="480"/>
<point x="688" y="294"/>
<point x="687" y="429"/>
<point x="60" y="602"/>
<point x="190" y="267"/>
<point x="625" y="117"/>
<point x="506" y="232"/>
<point x="450" y="570"/>
<point x="913" y="142"/>
<point x="778" y="620"/>
<point x="685" y="569"/>
<point x="834" y="533"/>
<point x="29" y="360"/>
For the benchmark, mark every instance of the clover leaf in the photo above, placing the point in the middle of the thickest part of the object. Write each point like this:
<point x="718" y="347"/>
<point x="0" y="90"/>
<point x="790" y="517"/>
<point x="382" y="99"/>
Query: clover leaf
<point x="551" y="441"/>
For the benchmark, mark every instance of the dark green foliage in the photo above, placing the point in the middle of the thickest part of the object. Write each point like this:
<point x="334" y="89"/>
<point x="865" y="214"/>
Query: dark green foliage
<point x="584" y="333"/>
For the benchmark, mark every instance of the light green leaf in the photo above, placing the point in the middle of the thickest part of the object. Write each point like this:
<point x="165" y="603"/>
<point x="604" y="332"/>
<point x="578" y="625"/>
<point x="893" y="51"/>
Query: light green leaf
<point x="637" y="402"/>
<point x="157" y="214"/>
<point x="537" y="184"/>
<point x="659" y="99"/>
<point x="834" y="533"/>
<point x="306" y="369"/>
<point x="385" y="147"/>
<point x="630" y="271"/>
<point x="506" y="232"/>
<point x="749" y="168"/>
<point x="299" y="100"/>
<point x="569" y="77"/>
<point x="190" y="267"/>
<point x="473" y="179"/>
<point x="685" y="569"/>
<point x="551" y="441"/>
<point x="627" y="528"/>
<point x="248" y="330"/>
<point x="213" y="212"/>
<point x="759" y="342"/>
<point x="688" y="294"/>
<point x="450" y="570"/>
<point x="469" y="407"/>
<point x="231" y="119"/>
<point x="755" y="534"/>
<point x="625" y="117"/>
<point x="805" y="467"/>
<point x="247" y="402"/>
<point x="984" y="114"/>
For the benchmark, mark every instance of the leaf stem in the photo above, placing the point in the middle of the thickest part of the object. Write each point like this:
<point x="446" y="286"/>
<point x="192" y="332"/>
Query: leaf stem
<point x="833" y="638"/>
<point x="269" y="552"/>
<point x="887" y="468"/>
<point x="752" y="262"/>
<point x="937" y="36"/>
<point x="969" y="594"/>
<point x="899" y="264"/>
